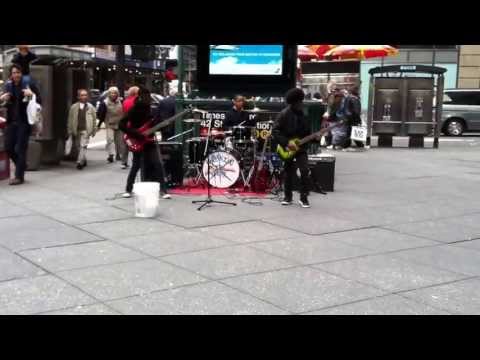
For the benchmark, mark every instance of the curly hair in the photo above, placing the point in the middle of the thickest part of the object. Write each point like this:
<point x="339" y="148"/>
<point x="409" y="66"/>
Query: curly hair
<point x="294" y="96"/>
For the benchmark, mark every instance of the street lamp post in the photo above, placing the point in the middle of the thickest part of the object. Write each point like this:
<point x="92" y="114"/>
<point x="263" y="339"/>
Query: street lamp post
<point x="120" y="76"/>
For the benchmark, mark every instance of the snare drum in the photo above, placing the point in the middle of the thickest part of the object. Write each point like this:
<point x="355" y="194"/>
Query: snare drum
<point x="214" y="133"/>
<point x="242" y="134"/>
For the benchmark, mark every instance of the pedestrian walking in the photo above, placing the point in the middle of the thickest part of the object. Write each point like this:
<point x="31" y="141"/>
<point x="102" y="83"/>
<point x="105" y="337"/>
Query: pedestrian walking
<point x="110" y="112"/>
<point x="18" y="129"/>
<point x="132" y="94"/>
<point x="82" y="125"/>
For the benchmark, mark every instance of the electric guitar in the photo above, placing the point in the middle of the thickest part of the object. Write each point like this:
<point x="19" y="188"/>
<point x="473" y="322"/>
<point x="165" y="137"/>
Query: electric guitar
<point x="287" y="154"/>
<point x="137" y="145"/>
<point x="261" y="175"/>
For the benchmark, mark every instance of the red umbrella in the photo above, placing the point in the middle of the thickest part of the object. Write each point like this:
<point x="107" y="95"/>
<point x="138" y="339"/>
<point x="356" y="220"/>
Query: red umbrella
<point x="305" y="54"/>
<point x="360" y="52"/>
<point x="320" y="50"/>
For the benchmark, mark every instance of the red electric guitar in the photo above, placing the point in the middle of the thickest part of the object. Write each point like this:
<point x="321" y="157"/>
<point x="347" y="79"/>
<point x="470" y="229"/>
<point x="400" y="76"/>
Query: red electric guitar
<point x="261" y="174"/>
<point x="147" y="130"/>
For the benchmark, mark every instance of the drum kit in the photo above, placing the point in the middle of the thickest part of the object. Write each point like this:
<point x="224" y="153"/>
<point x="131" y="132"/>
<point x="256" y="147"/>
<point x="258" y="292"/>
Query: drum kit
<point x="226" y="158"/>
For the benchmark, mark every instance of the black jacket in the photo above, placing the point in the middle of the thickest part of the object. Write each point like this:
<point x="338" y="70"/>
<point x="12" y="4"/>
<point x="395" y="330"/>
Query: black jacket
<point x="290" y="124"/>
<point x="16" y="108"/>
<point x="235" y="118"/>
<point x="354" y="110"/>
<point x="138" y="116"/>
<point x="166" y="109"/>
<point x="24" y="61"/>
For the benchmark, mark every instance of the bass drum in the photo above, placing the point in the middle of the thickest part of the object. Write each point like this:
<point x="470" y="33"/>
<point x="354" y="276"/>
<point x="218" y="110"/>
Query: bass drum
<point x="224" y="169"/>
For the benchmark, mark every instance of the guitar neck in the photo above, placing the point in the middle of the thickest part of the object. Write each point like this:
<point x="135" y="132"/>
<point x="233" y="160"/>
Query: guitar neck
<point x="264" y="150"/>
<point x="166" y="123"/>
<point x="319" y="133"/>
<point x="311" y="137"/>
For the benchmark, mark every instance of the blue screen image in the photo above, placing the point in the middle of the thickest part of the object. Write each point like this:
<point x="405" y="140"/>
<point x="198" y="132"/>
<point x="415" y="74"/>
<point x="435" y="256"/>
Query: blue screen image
<point x="246" y="60"/>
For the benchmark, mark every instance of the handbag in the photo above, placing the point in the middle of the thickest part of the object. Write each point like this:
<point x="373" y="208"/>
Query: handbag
<point x="68" y="145"/>
<point x="34" y="111"/>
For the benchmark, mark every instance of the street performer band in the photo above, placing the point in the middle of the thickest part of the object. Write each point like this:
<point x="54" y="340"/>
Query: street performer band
<point x="291" y="133"/>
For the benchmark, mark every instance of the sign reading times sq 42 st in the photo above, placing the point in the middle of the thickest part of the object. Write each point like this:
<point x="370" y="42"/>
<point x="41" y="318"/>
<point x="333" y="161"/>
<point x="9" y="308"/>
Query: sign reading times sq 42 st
<point x="218" y="117"/>
<point x="263" y="128"/>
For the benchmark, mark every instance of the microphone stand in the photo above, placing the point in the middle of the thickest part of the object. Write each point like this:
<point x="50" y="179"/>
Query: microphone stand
<point x="209" y="199"/>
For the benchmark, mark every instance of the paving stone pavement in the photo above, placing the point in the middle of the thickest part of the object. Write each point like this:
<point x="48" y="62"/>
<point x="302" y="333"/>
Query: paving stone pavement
<point x="400" y="235"/>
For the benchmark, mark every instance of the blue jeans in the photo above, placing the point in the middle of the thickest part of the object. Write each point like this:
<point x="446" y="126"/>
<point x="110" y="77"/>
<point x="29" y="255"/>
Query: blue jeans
<point x="16" y="145"/>
<point x="27" y="81"/>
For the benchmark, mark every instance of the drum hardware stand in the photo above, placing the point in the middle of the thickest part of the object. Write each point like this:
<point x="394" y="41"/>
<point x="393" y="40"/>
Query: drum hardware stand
<point x="209" y="199"/>
<point x="184" y="133"/>
<point x="197" y="173"/>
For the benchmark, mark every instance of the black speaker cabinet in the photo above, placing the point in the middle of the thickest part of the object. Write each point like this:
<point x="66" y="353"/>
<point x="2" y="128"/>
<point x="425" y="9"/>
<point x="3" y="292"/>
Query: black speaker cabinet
<point x="172" y="153"/>
<point x="172" y="156"/>
<point x="322" y="173"/>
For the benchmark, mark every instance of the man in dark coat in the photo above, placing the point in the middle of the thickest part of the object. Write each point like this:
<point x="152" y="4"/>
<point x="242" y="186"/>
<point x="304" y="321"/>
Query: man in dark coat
<point x="167" y="109"/>
<point x="18" y="128"/>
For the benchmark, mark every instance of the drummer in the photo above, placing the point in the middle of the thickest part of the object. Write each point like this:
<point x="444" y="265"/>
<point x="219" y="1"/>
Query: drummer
<point x="237" y="115"/>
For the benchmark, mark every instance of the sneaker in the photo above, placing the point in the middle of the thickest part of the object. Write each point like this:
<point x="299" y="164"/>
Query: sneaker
<point x="124" y="166"/>
<point x="110" y="159"/>
<point x="286" y="201"/>
<point x="165" y="196"/>
<point x="79" y="166"/>
<point x="126" y="195"/>
<point x="330" y="147"/>
<point x="304" y="202"/>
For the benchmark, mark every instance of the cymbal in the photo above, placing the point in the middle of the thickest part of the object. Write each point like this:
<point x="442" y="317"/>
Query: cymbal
<point x="199" y="111"/>
<point x="192" y="121"/>
<point x="256" y="110"/>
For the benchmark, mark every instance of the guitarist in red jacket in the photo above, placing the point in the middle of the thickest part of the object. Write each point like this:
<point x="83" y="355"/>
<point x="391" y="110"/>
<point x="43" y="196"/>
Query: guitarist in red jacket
<point x="146" y="160"/>
<point x="292" y="123"/>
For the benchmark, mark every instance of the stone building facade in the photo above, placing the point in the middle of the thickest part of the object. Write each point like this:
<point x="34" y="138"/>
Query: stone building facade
<point x="469" y="67"/>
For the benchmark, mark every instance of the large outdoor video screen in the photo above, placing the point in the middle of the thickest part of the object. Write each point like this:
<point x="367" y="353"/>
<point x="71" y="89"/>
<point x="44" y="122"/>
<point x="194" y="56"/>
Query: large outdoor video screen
<point x="247" y="60"/>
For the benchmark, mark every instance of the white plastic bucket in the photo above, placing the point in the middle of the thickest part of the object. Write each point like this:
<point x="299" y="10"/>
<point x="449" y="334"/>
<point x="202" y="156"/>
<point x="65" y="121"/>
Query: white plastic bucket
<point x="147" y="197"/>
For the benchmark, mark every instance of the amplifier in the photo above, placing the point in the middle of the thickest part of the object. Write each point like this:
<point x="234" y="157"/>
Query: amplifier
<point x="322" y="173"/>
<point x="172" y="154"/>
